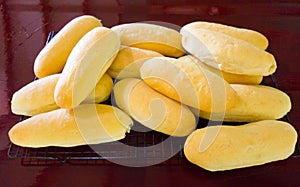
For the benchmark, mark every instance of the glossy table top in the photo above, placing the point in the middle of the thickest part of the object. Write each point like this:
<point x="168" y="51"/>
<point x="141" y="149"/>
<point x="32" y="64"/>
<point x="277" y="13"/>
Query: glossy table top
<point x="24" y="26"/>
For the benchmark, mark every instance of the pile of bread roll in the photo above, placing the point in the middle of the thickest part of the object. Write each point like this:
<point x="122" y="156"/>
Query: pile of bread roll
<point x="164" y="79"/>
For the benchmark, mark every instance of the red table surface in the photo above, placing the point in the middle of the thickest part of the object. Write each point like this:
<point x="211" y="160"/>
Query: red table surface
<point x="24" y="26"/>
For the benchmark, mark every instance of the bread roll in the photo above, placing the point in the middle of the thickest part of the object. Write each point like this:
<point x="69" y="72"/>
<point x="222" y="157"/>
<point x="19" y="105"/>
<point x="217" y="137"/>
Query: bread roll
<point x="229" y="77"/>
<point x="85" y="124"/>
<point x="128" y="62"/>
<point x="151" y="37"/>
<point x="88" y="61"/>
<point x="218" y="148"/>
<point x="188" y="83"/>
<point x="102" y="90"/>
<point x="153" y="109"/>
<point x="227" y="53"/>
<point x="53" y="56"/>
<point x="256" y="103"/>
<point x="250" y="36"/>
<point x="36" y="97"/>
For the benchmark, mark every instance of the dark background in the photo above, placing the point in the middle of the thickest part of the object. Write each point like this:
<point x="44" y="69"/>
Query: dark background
<point x="24" y="26"/>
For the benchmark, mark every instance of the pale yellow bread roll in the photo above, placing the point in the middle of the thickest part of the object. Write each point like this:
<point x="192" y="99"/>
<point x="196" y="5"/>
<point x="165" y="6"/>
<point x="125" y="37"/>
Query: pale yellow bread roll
<point x="251" y="36"/>
<point x="85" y="124"/>
<point x="53" y="56"/>
<point x="153" y="109"/>
<point x="38" y="96"/>
<point x="35" y="97"/>
<point x="128" y="62"/>
<point x="229" y="77"/>
<point x="88" y="61"/>
<point x="242" y="146"/>
<point x="188" y="83"/>
<point x="157" y="38"/>
<point x="227" y="53"/>
<point x="257" y="102"/>
<point x="102" y="90"/>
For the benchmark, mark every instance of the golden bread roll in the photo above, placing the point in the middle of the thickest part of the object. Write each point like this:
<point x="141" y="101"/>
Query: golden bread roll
<point x="227" y="53"/>
<point x="85" y="124"/>
<point x="35" y="97"/>
<point x="88" y="61"/>
<point x="188" y="83"/>
<point x="153" y="109"/>
<point x="256" y="103"/>
<point x="53" y="56"/>
<point x="251" y="36"/>
<point x="128" y="62"/>
<point x="102" y="90"/>
<point x="218" y="148"/>
<point x="151" y="37"/>
<point x="229" y="77"/>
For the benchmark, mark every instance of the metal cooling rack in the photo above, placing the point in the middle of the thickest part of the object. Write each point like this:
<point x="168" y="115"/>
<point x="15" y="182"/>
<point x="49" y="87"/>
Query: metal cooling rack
<point x="140" y="142"/>
<point x="140" y="138"/>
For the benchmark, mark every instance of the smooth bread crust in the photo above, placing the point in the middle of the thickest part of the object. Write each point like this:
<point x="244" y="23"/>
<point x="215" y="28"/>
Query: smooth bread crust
<point x="36" y="97"/>
<point x="242" y="146"/>
<point x="253" y="37"/>
<point x="153" y="109"/>
<point x="229" y="77"/>
<point x="87" y="63"/>
<point x="188" y="83"/>
<point x="147" y="36"/>
<point x="227" y="53"/>
<point x="128" y="62"/>
<point x="52" y="58"/>
<point x="86" y="124"/>
<point x="256" y="102"/>
<point x="102" y="90"/>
